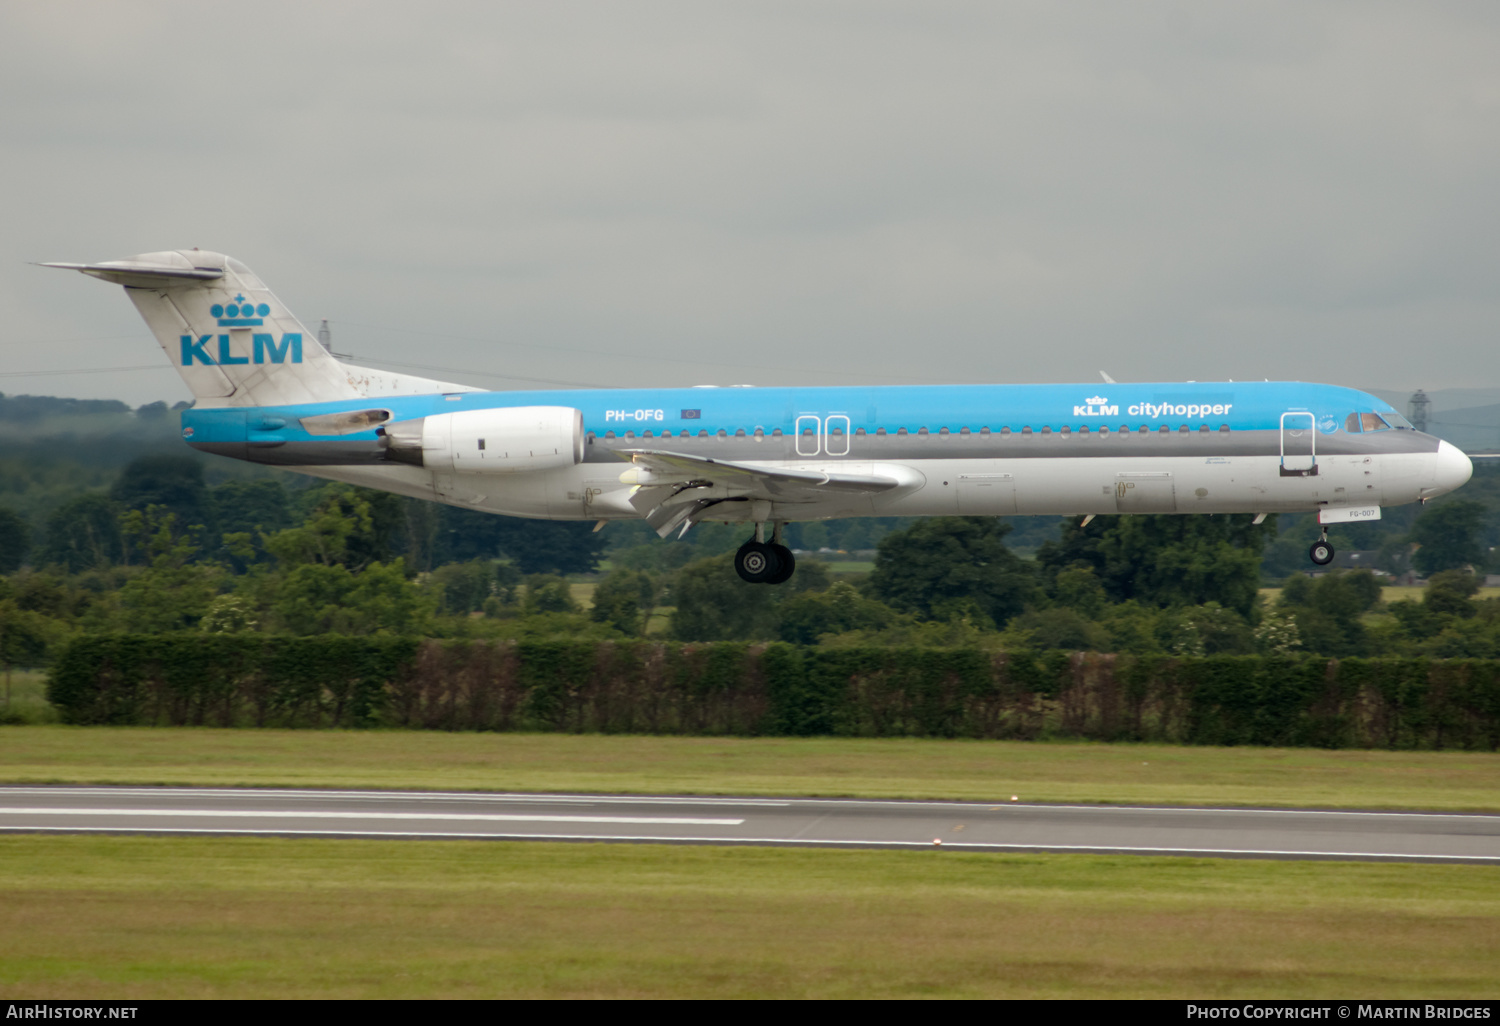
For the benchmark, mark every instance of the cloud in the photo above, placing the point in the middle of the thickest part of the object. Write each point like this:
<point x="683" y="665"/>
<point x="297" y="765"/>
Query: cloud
<point x="800" y="191"/>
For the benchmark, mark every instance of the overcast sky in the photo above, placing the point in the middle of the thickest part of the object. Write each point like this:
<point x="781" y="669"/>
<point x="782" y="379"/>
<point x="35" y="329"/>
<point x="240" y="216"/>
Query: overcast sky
<point x="770" y="193"/>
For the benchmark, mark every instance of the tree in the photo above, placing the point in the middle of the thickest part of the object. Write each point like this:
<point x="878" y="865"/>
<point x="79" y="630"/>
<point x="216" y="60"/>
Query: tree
<point x="713" y="604"/>
<point x="318" y="598"/>
<point x="1058" y="627"/>
<point x="464" y="588"/>
<point x="172" y="482"/>
<point x="940" y="567"/>
<point x="173" y="592"/>
<point x="1080" y="589"/>
<point x="548" y="593"/>
<point x="535" y="546"/>
<point x="1164" y="559"/>
<point x="251" y="506"/>
<point x="806" y="618"/>
<point x="1452" y="592"/>
<point x="624" y="600"/>
<point x="1449" y="536"/>
<point x="84" y="534"/>
<point x="381" y="531"/>
<point x="1209" y="629"/>
<point x="1328" y="610"/>
<point x="339" y="531"/>
<point x="15" y="540"/>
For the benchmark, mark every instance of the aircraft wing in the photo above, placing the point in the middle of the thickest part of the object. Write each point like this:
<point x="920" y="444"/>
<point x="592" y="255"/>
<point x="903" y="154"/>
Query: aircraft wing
<point x="673" y="489"/>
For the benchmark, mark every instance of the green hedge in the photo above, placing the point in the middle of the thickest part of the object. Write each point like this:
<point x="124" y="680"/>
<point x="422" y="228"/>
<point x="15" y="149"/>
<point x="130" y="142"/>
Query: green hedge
<point x="729" y="688"/>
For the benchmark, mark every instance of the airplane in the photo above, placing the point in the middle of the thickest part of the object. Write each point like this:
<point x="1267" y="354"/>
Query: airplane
<point x="266" y="391"/>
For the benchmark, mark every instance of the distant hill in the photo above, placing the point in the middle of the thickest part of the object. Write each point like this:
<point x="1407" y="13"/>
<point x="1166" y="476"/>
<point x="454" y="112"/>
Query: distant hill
<point x="1467" y="417"/>
<point x="1442" y="399"/>
<point x="52" y="448"/>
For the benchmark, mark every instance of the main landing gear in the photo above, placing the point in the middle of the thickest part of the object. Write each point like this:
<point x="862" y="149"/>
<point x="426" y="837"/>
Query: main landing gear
<point x="1321" y="552"/>
<point x="765" y="562"/>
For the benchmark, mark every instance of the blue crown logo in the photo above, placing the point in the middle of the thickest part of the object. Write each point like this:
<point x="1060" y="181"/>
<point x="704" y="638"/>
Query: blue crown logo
<point x="240" y="313"/>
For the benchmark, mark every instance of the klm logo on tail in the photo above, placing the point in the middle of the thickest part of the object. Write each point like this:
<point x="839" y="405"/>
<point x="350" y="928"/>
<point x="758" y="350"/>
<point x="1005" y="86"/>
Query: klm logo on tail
<point x="195" y="349"/>
<point x="241" y="314"/>
<point x="236" y="315"/>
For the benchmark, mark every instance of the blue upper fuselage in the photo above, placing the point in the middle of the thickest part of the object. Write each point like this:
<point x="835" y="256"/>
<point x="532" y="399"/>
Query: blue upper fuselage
<point x="1241" y="405"/>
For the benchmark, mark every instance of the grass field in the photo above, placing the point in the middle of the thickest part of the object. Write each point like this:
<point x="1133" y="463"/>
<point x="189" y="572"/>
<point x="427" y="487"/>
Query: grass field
<point x="130" y="917"/>
<point x="888" y="768"/>
<point x="147" y="917"/>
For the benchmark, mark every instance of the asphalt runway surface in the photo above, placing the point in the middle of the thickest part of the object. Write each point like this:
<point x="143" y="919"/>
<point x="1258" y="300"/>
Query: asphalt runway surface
<point x="801" y="822"/>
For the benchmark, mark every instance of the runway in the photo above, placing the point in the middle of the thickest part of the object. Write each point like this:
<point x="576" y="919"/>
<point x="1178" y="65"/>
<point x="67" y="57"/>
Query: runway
<point x="802" y="822"/>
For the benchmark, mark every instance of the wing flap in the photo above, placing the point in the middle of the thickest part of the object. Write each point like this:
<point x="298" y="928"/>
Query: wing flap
<point x="676" y="489"/>
<point x="775" y="480"/>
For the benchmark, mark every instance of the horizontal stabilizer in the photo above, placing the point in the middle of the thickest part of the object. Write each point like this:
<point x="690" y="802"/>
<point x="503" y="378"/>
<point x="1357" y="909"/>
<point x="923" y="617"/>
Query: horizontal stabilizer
<point x="136" y="274"/>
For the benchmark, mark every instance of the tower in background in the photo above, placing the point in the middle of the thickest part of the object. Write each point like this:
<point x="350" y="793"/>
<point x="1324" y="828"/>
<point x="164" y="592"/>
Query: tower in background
<point x="1417" y="406"/>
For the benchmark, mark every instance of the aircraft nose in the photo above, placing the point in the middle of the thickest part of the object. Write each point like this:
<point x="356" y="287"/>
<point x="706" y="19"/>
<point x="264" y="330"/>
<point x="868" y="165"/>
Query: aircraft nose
<point x="1452" y="470"/>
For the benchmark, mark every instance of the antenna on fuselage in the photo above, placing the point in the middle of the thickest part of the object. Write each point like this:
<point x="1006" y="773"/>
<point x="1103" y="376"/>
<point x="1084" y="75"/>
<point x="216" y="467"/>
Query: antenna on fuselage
<point x="1107" y="379"/>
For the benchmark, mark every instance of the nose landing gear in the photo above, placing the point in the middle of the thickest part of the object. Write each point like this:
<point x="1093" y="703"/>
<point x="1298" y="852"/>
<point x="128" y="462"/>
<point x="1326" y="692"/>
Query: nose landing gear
<point x="1321" y="552"/>
<point x="761" y="562"/>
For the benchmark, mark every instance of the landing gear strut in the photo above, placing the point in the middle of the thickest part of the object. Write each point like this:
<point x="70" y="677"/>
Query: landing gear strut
<point x="1321" y="552"/>
<point x="765" y="562"/>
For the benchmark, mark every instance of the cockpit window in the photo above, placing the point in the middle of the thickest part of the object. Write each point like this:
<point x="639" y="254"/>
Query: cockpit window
<point x="1351" y="423"/>
<point x="1395" y="420"/>
<point x="1372" y="422"/>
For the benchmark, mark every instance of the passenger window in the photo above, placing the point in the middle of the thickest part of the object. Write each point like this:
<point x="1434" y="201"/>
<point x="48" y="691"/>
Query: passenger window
<point x="1351" y="423"/>
<point x="738" y="432"/>
<point x="1372" y="422"/>
<point x="1046" y="429"/>
<point x="880" y="432"/>
<point x="1026" y="430"/>
<point x="901" y="431"/>
<point x="1104" y="430"/>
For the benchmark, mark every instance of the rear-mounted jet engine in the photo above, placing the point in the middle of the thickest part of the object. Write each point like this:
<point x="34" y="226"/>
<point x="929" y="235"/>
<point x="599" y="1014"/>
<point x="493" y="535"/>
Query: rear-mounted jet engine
<point x="497" y="441"/>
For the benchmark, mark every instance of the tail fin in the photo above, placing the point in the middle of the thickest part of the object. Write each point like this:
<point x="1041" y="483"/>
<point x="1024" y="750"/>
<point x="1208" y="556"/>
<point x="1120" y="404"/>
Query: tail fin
<point x="233" y="342"/>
